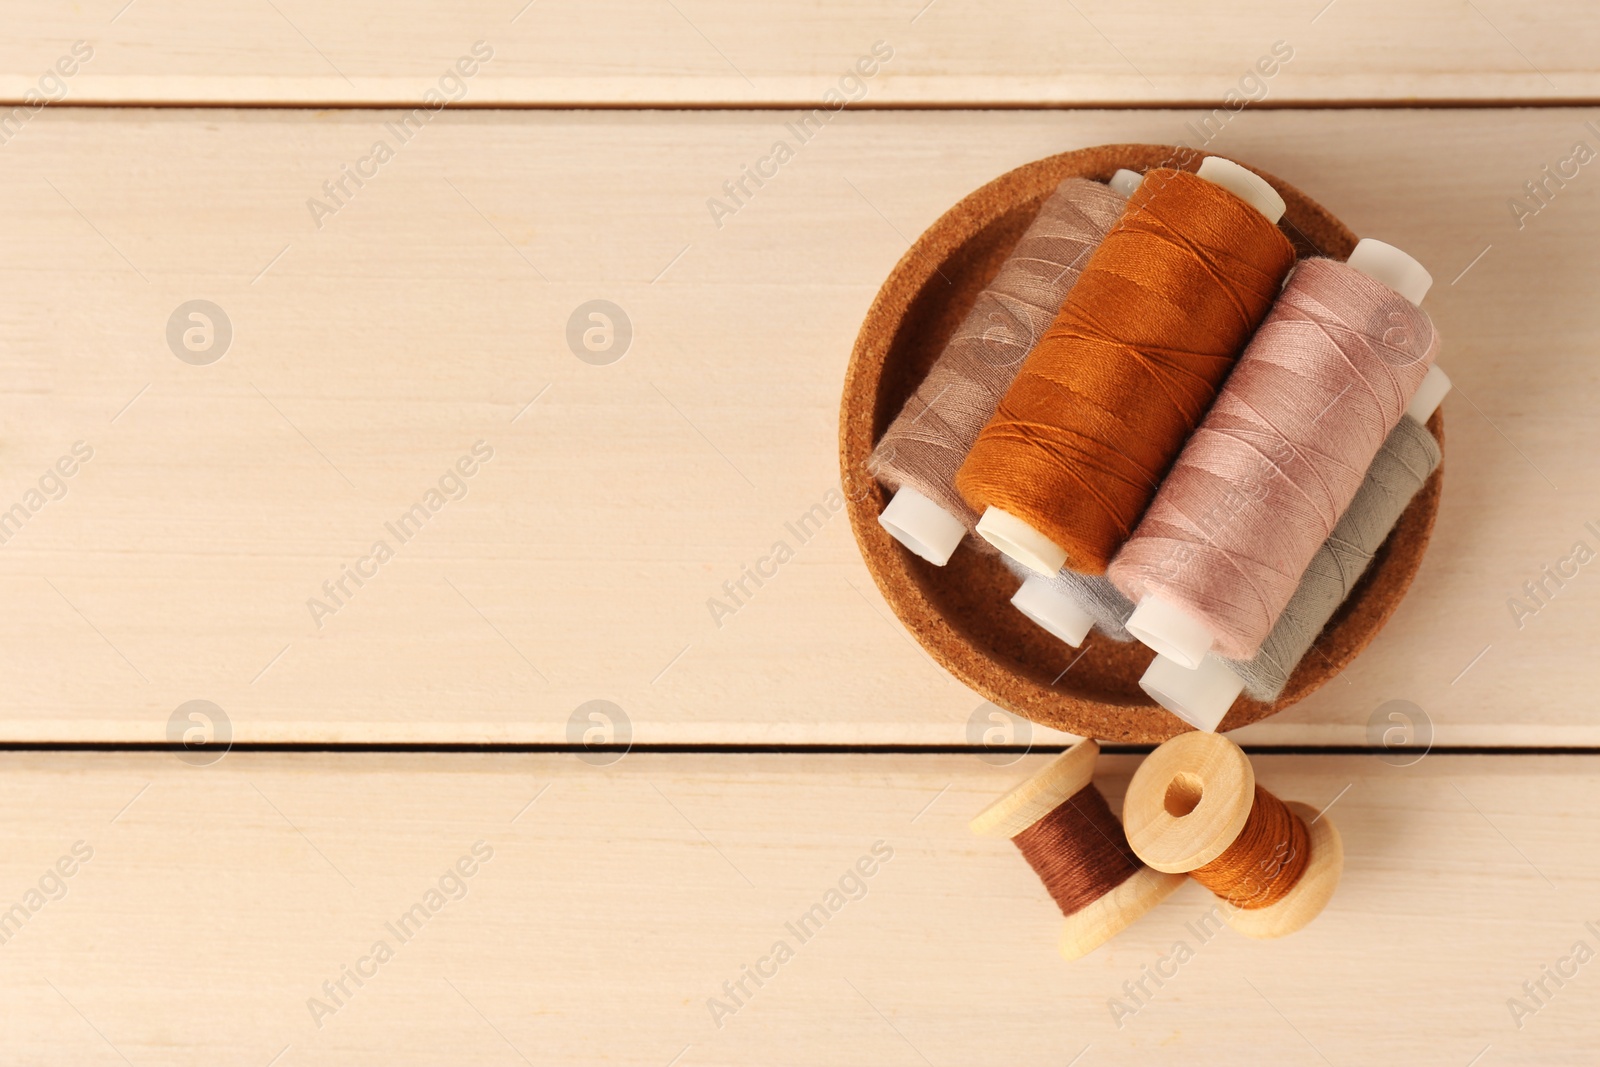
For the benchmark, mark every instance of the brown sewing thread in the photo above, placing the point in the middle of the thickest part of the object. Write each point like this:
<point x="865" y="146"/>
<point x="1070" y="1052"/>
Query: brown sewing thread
<point x="1265" y="860"/>
<point x="1104" y="402"/>
<point x="1079" y="850"/>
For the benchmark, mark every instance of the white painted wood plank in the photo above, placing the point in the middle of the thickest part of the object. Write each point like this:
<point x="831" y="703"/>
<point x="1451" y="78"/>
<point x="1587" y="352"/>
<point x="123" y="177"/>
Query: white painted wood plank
<point x="430" y="312"/>
<point x="219" y="900"/>
<point x="700" y="52"/>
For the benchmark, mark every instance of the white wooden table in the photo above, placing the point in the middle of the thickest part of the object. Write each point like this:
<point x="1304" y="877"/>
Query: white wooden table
<point x="423" y="311"/>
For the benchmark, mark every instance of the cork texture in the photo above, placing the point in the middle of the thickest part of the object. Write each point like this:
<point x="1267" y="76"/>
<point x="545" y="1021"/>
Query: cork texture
<point x="961" y="613"/>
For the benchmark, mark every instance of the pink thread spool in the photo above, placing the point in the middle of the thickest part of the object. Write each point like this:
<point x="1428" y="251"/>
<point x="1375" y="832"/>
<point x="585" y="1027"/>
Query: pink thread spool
<point x="1202" y="697"/>
<point x="1263" y="481"/>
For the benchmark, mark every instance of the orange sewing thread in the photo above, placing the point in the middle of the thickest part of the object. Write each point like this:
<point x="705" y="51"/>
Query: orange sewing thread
<point x="1265" y="860"/>
<point x="1104" y="402"/>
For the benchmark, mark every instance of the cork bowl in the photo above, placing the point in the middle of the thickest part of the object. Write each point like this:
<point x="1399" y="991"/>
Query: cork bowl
<point x="961" y="613"/>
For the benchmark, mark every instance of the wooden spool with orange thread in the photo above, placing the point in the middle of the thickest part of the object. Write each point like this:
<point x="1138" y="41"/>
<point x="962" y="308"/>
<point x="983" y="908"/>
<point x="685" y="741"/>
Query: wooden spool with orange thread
<point x="1195" y="798"/>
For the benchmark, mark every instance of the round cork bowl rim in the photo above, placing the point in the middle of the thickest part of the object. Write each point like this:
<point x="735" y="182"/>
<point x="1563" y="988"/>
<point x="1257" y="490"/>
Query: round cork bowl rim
<point x="1136" y="719"/>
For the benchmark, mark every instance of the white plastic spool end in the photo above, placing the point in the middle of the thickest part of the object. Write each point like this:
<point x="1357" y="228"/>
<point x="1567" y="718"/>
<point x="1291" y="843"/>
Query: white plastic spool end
<point x="1387" y="264"/>
<point x="1199" y="697"/>
<point x="1125" y="181"/>
<point x="922" y="526"/>
<point x="1021" y="542"/>
<point x="1054" y="611"/>
<point x="1170" y="630"/>
<point x="1435" y="384"/>
<point x="1246" y="184"/>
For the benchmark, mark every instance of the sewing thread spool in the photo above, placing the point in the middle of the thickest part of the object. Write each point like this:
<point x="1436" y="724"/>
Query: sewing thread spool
<point x="1282" y="452"/>
<point x="1067" y="605"/>
<point x="1194" y="806"/>
<point x="919" y="453"/>
<point x="1064" y="828"/>
<point x="1409" y="455"/>
<point x="1104" y="402"/>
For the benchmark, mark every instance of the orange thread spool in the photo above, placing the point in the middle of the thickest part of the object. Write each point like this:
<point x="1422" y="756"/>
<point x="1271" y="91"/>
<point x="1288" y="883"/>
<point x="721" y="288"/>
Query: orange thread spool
<point x="1265" y="861"/>
<point x="1105" y="401"/>
<point x="1193" y="806"/>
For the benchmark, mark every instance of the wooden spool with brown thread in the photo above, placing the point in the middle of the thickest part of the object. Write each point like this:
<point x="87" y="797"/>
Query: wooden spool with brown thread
<point x="1190" y="801"/>
<point x="1068" y="779"/>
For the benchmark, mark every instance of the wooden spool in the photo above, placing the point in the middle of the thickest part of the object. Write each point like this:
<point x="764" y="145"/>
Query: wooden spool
<point x="1187" y="803"/>
<point x="1091" y="926"/>
<point x="961" y="613"/>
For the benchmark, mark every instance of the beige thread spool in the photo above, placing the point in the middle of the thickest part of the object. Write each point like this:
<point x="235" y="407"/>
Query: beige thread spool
<point x="1097" y="921"/>
<point x="1188" y="802"/>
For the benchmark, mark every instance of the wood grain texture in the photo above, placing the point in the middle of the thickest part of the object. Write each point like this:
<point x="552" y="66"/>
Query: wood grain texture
<point x="218" y="900"/>
<point x="713" y="52"/>
<point x="431" y="312"/>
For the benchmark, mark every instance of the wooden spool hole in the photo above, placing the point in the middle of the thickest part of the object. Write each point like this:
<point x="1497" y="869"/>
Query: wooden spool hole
<point x="1183" y="794"/>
